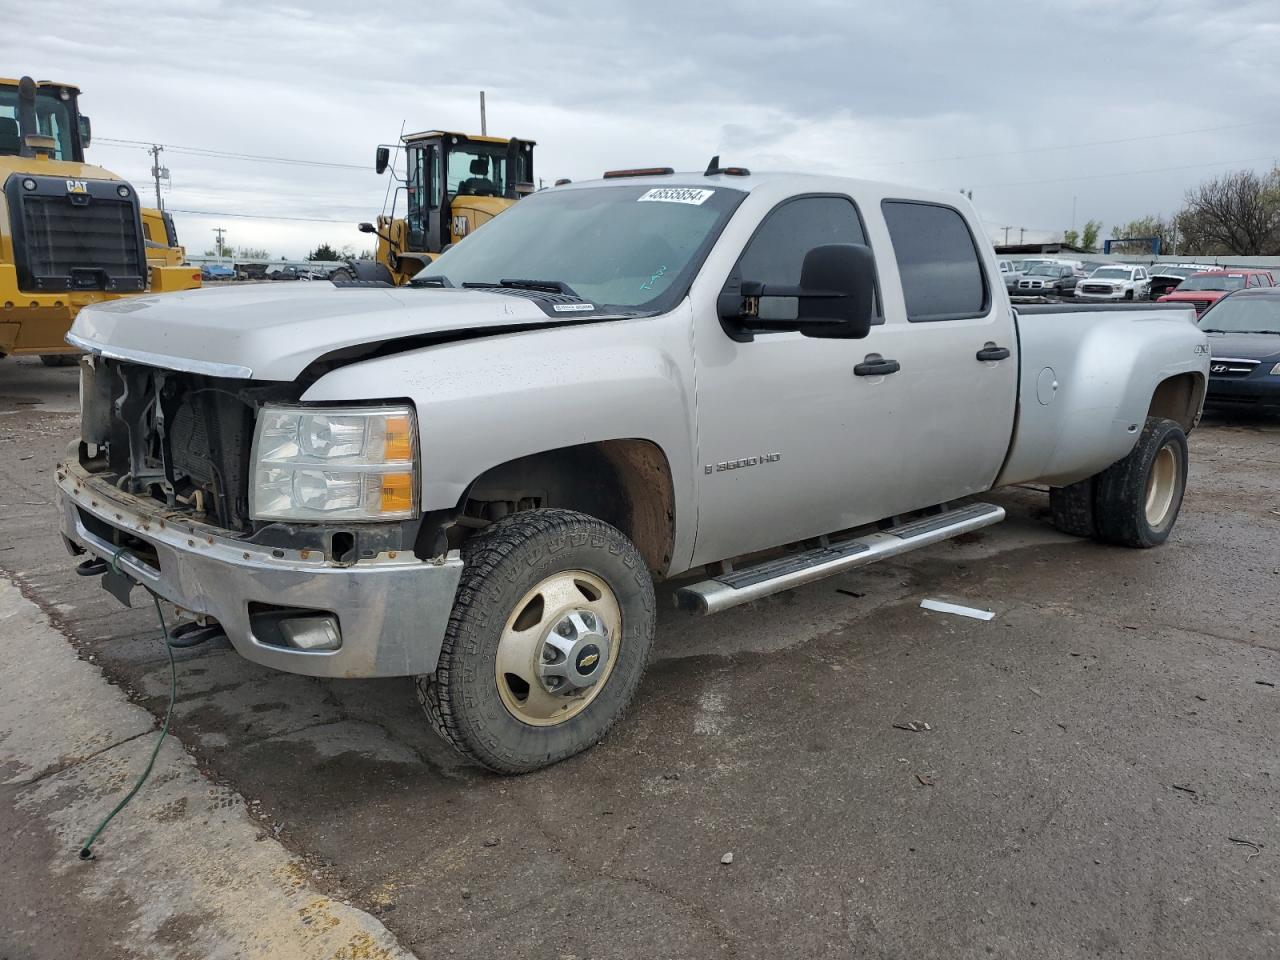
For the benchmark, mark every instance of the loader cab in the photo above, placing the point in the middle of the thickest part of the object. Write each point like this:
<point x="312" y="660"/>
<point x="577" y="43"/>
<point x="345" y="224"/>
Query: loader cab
<point x="41" y="119"/>
<point x="456" y="183"/>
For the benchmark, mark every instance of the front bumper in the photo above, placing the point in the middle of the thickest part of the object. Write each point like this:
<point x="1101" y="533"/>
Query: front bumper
<point x="391" y="611"/>
<point x="1102" y="297"/>
<point x="1259" y="390"/>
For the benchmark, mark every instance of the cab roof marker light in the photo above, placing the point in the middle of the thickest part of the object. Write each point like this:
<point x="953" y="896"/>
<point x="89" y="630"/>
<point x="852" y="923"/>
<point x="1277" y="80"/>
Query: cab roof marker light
<point x="639" y="172"/>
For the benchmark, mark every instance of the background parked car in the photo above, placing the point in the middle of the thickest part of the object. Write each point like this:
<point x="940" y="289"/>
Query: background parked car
<point x="1007" y="270"/>
<point x="287" y="273"/>
<point x="1202" y="290"/>
<point x="217" y="271"/>
<point x="1051" y="279"/>
<point x="1166" y="276"/>
<point x="1020" y="268"/>
<point x="1116" y="281"/>
<point x="1244" y="338"/>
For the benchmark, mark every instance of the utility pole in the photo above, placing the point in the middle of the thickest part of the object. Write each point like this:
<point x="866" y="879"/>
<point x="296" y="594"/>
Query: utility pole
<point x="1073" y="214"/>
<point x="1006" y="235"/>
<point x="1022" y="235"/>
<point x="219" y="231"/>
<point x="158" y="171"/>
<point x="484" y="126"/>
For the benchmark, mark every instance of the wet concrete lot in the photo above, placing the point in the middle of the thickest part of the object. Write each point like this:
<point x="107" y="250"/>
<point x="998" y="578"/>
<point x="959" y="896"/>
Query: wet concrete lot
<point x="1095" y="759"/>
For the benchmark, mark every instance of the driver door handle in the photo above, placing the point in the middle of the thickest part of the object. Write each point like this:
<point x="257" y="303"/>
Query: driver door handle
<point x="990" y="351"/>
<point x="876" y="366"/>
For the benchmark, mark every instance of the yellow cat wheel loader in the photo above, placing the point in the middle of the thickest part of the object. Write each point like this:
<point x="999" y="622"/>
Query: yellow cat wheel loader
<point x="161" y="239"/>
<point x="71" y="233"/>
<point x="454" y="183"/>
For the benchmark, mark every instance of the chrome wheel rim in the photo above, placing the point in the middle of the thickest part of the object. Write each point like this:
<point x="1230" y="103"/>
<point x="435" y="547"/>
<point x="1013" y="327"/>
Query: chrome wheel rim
<point x="558" y="648"/>
<point x="1162" y="486"/>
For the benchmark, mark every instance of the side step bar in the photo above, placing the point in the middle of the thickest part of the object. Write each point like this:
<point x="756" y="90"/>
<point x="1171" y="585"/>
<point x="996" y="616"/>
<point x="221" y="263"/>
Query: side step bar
<point x="796" y="569"/>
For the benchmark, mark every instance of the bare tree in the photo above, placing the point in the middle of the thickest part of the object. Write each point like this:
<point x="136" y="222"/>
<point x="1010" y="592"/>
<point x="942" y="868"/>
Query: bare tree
<point x="1238" y="213"/>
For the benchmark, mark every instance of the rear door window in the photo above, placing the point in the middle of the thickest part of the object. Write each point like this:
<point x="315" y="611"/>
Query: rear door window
<point x="942" y="275"/>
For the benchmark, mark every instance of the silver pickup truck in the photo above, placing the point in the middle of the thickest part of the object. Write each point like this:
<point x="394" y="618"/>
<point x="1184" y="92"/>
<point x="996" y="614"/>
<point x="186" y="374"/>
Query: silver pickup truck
<point x="746" y="382"/>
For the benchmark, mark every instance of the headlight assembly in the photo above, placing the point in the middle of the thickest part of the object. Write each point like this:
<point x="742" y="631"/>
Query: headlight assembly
<point x="330" y="463"/>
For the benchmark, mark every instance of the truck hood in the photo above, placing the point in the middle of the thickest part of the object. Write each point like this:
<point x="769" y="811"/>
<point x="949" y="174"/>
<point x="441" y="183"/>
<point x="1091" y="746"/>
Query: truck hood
<point x="268" y="331"/>
<point x="1246" y="346"/>
<point x="1183" y="296"/>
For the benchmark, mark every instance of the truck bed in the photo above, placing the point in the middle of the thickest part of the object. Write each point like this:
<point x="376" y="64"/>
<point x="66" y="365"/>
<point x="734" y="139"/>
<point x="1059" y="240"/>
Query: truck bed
<point x="1087" y="378"/>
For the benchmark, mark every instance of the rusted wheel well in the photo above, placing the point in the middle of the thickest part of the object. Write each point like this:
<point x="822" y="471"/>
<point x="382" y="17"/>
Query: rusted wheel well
<point x="626" y="483"/>
<point x="1179" y="398"/>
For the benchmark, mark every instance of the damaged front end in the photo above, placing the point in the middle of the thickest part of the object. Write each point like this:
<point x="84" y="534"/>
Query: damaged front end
<point x="158" y="489"/>
<point x="181" y="439"/>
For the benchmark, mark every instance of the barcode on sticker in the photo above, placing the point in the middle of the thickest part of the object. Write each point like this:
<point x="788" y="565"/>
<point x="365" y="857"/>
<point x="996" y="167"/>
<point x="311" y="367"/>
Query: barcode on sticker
<point x="573" y="307"/>
<point x="691" y="195"/>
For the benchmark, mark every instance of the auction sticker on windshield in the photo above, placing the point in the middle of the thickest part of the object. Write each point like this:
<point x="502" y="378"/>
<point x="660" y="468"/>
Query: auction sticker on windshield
<point x="691" y="195"/>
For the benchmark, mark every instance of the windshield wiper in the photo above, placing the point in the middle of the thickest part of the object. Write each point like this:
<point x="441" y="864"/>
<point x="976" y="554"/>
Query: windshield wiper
<point x="431" y="282"/>
<point x="547" y="286"/>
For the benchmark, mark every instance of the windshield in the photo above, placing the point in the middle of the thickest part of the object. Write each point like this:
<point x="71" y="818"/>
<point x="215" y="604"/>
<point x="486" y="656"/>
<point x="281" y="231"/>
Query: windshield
<point x="1213" y="281"/>
<point x="52" y="119"/>
<point x="633" y="247"/>
<point x="478" y="170"/>
<point x="1244" y="314"/>
<point x="1044" y="270"/>
<point x="1183" y="272"/>
<point x="1112" y="273"/>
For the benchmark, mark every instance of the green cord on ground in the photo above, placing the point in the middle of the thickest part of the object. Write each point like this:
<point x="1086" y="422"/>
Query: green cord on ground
<point x="86" y="848"/>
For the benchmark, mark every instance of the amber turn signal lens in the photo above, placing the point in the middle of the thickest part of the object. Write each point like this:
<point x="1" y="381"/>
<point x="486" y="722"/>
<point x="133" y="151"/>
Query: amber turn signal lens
<point x="398" y="445"/>
<point x="397" y="492"/>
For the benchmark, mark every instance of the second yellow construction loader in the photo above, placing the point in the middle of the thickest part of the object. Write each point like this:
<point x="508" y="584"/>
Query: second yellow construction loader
<point x="454" y="183"/>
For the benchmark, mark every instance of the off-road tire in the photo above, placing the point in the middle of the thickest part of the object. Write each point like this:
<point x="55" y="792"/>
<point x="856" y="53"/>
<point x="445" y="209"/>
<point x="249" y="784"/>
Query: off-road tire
<point x="1120" y="495"/>
<point x="342" y="275"/>
<point x="1071" y="508"/>
<point x="501" y="564"/>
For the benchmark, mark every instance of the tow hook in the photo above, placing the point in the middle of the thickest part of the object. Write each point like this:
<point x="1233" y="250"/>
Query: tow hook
<point x="93" y="567"/>
<point x="192" y="634"/>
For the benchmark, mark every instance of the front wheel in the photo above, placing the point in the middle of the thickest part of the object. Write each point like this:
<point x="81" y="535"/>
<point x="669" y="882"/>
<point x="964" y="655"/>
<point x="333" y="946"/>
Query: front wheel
<point x="547" y="642"/>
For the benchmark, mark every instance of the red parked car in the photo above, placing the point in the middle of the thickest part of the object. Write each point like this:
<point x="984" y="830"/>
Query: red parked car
<point x="1202" y="290"/>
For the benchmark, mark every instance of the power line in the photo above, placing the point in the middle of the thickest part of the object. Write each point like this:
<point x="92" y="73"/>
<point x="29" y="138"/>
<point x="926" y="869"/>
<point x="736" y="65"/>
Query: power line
<point x="1123" y="173"/>
<point x="1069" y="146"/>
<point x="257" y="216"/>
<point x="230" y="155"/>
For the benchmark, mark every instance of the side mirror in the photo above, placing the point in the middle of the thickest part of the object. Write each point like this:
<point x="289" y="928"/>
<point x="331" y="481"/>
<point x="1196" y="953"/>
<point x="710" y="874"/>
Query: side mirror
<point x="381" y="160"/>
<point x="86" y="131"/>
<point x="835" y="297"/>
<point x="366" y="228"/>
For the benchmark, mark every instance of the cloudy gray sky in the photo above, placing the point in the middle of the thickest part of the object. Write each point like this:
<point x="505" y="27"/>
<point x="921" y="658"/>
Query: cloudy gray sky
<point x="1110" y="109"/>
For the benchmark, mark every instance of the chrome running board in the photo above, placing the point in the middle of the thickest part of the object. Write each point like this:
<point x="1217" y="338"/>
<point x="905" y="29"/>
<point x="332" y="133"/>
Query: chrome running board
<point x="796" y="569"/>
